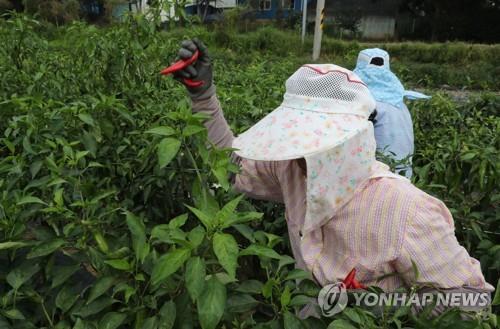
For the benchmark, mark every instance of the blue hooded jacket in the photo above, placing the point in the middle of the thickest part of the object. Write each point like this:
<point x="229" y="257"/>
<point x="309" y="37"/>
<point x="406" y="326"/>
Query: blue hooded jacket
<point x="393" y="127"/>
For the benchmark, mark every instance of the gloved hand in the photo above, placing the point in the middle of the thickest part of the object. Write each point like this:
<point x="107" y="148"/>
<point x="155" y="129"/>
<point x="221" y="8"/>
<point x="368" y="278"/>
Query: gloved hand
<point x="201" y="70"/>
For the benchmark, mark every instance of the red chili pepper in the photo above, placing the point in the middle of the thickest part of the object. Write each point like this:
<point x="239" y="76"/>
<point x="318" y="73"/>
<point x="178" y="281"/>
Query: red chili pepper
<point x="192" y="83"/>
<point x="351" y="283"/>
<point x="357" y="285"/>
<point x="182" y="64"/>
<point x="348" y="279"/>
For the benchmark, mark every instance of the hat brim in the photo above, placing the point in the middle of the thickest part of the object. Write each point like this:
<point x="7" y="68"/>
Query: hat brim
<point x="413" y="95"/>
<point x="288" y="133"/>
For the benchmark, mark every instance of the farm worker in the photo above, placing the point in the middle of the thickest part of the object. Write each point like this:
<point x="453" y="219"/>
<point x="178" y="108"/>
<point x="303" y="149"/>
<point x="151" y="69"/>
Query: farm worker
<point x="316" y="154"/>
<point x="393" y="124"/>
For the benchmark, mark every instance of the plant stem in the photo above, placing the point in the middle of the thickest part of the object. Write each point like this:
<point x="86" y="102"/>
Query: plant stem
<point x="47" y="315"/>
<point x="198" y="174"/>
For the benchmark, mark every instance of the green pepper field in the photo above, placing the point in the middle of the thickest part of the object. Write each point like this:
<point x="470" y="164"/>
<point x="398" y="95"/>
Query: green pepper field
<point x="114" y="213"/>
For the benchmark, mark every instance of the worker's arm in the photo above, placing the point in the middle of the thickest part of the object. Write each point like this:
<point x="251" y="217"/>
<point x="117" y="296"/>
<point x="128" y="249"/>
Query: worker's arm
<point x="431" y="246"/>
<point x="257" y="179"/>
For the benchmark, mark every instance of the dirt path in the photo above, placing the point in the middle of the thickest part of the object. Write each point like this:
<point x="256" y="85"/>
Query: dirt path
<point x="461" y="95"/>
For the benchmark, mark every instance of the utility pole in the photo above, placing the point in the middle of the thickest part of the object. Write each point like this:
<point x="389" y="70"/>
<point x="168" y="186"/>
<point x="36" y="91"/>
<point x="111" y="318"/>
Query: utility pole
<point x="304" y="19"/>
<point x="318" y="28"/>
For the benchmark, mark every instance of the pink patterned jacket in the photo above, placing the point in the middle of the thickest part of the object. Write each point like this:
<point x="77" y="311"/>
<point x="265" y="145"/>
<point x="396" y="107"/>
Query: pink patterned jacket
<point x="385" y="227"/>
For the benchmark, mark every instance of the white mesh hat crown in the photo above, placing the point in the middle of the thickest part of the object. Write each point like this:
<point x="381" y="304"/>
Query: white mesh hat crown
<point x="330" y="82"/>
<point x="323" y="106"/>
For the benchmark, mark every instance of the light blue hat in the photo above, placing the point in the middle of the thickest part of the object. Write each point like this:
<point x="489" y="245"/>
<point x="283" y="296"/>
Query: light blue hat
<point x="383" y="84"/>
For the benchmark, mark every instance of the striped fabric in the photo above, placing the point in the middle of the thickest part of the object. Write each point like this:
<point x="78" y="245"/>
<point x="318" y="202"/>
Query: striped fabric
<point x="386" y="226"/>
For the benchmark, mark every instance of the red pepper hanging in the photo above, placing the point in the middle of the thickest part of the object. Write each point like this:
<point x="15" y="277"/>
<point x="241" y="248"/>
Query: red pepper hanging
<point x="182" y="64"/>
<point x="351" y="283"/>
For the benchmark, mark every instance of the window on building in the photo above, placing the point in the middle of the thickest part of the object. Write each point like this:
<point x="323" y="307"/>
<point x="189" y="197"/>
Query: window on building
<point x="288" y="4"/>
<point x="265" y="4"/>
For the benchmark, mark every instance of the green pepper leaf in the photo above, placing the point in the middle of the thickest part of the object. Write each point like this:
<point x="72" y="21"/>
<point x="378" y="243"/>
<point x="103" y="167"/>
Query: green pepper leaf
<point x="226" y="249"/>
<point x="63" y="273"/>
<point x="45" y="248"/>
<point x="112" y="320"/>
<point x="12" y="244"/>
<point x="100" y="287"/>
<point x="290" y="321"/>
<point x="161" y="130"/>
<point x="67" y="297"/>
<point x="167" y="149"/>
<point x="261" y="251"/>
<point x="18" y="276"/>
<point x="205" y="219"/>
<point x="30" y="199"/>
<point x="169" y="264"/>
<point x="211" y="303"/>
<point x="138" y="231"/>
<point x="168" y="314"/>
<point x="195" y="277"/>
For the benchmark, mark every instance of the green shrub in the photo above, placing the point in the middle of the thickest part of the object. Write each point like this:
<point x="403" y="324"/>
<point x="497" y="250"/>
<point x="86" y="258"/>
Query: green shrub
<point x="55" y="11"/>
<point x="457" y="159"/>
<point x="115" y="214"/>
<point x="455" y="65"/>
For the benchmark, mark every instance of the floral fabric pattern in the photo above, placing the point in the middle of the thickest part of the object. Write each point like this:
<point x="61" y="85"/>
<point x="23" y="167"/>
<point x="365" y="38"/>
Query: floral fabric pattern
<point x="334" y="176"/>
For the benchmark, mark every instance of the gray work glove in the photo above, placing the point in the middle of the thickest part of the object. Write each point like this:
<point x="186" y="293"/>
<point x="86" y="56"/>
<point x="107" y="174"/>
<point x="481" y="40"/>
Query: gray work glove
<point x="201" y="70"/>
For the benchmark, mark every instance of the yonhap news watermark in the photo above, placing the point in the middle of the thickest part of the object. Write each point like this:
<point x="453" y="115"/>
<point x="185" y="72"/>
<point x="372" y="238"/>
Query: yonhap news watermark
<point x="334" y="298"/>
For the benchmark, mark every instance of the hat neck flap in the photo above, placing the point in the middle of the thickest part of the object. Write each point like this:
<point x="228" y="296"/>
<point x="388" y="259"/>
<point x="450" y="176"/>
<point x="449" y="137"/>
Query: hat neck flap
<point x="383" y="84"/>
<point x="335" y="176"/>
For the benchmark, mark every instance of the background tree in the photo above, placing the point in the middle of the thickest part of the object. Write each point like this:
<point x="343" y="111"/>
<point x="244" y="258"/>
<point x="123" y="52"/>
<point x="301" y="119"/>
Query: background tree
<point x="350" y="21"/>
<point x="458" y="19"/>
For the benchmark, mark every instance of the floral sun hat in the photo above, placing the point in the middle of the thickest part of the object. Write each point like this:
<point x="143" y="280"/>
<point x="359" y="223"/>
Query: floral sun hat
<point x="323" y="119"/>
<point x="324" y="105"/>
<point x="373" y="68"/>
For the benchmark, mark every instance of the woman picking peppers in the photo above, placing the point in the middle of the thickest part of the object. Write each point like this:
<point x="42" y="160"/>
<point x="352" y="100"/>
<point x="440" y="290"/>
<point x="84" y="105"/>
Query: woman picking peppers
<point x="316" y="154"/>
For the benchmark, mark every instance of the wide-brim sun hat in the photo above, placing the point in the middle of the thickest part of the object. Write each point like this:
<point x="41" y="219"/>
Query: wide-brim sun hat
<point x="323" y="106"/>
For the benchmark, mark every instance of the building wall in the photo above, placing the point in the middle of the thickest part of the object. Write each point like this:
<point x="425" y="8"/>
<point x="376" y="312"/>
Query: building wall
<point x="274" y="12"/>
<point x="377" y="27"/>
<point x="277" y="8"/>
<point x="223" y="3"/>
<point x="378" y="19"/>
<point x="367" y="7"/>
